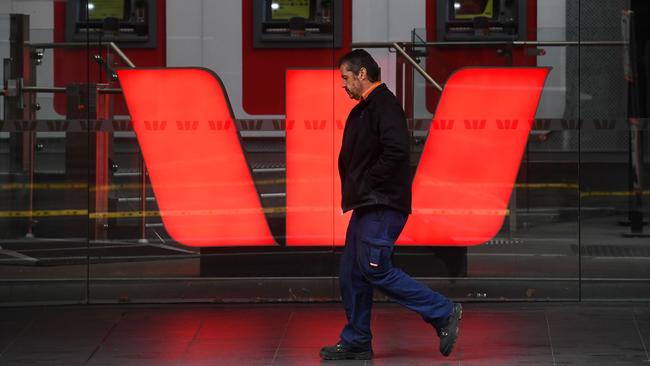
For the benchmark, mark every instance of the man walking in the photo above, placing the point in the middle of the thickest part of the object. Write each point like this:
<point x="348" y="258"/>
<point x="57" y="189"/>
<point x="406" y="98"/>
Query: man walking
<point x="376" y="184"/>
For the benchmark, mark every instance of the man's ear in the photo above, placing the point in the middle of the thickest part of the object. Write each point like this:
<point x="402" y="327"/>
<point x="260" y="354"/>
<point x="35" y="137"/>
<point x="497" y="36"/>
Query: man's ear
<point x="363" y="73"/>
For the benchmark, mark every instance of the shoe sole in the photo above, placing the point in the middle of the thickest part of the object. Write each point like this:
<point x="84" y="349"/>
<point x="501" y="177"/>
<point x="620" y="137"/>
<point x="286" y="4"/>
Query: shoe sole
<point x="349" y="356"/>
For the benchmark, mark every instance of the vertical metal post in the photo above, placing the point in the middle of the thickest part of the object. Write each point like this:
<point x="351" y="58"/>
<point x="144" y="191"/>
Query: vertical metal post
<point x="103" y="111"/>
<point x="143" y="202"/>
<point x="399" y="79"/>
<point x="30" y="137"/>
<point x="21" y="106"/>
<point x="17" y="65"/>
<point x="30" y="107"/>
<point x="512" y="214"/>
<point x="634" y="112"/>
<point x="79" y="156"/>
<point x="409" y="85"/>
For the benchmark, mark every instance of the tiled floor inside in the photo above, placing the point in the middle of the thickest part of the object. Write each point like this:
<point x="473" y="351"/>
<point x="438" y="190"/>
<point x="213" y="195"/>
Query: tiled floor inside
<point x="292" y="334"/>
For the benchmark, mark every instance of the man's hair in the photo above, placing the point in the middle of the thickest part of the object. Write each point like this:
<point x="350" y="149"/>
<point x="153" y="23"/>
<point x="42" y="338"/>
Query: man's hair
<point x="357" y="59"/>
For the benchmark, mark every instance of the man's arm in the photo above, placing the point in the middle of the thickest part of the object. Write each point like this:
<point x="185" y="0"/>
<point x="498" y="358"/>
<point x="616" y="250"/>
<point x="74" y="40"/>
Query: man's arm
<point x="394" y="139"/>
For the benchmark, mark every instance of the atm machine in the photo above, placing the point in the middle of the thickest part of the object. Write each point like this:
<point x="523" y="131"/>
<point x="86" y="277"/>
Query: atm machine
<point x="128" y="23"/>
<point x="136" y="26"/>
<point x="481" y="20"/>
<point x="281" y="34"/>
<point x="297" y="24"/>
<point x="462" y="21"/>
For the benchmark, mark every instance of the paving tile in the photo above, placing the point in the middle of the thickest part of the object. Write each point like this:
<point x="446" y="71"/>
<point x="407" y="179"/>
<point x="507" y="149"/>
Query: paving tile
<point x="307" y="356"/>
<point x="314" y="328"/>
<point x="244" y="324"/>
<point x="131" y="362"/>
<point x="505" y="337"/>
<point x="60" y="336"/>
<point x="284" y="334"/>
<point x="14" y="314"/>
<point x="10" y="330"/>
<point x="140" y="352"/>
<point x="595" y="336"/>
<point x="67" y="357"/>
<point x="642" y="318"/>
<point x="210" y="352"/>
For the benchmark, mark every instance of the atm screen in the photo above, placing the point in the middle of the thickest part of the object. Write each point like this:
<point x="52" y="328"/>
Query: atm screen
<point x="287" y="9"/>
<point x="102" y="9"/>
<point x="470" y="9"/>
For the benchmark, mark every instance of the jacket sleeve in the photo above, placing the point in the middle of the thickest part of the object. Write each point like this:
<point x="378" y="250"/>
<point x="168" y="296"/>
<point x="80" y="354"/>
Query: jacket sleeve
<point x="394" y="141"/>
<point x="341" y="167"/>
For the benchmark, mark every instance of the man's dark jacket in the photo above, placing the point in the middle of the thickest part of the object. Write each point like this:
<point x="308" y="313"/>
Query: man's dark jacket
<point x="374" y="159"/>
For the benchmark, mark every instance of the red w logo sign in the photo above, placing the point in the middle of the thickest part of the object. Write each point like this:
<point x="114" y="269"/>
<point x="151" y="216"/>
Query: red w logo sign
<point x="206" y="194"/>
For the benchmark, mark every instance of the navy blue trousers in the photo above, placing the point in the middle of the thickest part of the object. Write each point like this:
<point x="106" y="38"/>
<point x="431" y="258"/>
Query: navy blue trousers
<point x="366" y="263"/>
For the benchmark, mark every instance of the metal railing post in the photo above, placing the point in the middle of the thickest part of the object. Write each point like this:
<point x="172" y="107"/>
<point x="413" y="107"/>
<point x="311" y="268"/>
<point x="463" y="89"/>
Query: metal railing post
<point x="143" y="202"/>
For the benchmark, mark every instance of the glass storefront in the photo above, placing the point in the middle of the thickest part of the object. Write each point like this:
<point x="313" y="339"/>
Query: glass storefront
<point x="168" y="151"/>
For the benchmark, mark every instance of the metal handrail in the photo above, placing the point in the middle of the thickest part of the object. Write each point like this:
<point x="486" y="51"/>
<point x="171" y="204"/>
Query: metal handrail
<point x="488" y="43"/>
<point x="43" y="89"/>
<point x="416" y="66"/>
<point x="112" y="45"/>
<point x="399" y="47"/>
<point x="58" y="89"/>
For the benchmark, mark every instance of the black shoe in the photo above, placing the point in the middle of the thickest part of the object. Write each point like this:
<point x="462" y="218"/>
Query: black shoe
<point x="449" y="333"/>
<point x="343" y="352"/>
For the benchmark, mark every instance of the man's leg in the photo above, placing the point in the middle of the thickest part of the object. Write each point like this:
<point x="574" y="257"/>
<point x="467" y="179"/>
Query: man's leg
<point x="378" y="230"/>
<point x="356" y="292"/>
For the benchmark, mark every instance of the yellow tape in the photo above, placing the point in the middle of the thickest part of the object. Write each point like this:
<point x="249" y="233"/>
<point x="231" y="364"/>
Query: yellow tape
<point x="547" y="185"/>
<point x="117" y="215"/>
<point x="109" y="187"/>
<point x="461" y="212"/>
<point x="137" y="186"/>
<point x="53" y="186"/>
<point x="43" y="213"/>
<point x="613" y="194"/>
<point x="128" y="214"/>
<point x="268" y="210"/>
<point x="115" y="187"/>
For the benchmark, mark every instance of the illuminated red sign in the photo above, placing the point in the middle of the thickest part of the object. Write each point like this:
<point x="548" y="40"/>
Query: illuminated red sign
<point x="207" y="198"/>
<point x="317" y="108"/>
<point x="472" y="155"/>
<point x="196" y="165"/>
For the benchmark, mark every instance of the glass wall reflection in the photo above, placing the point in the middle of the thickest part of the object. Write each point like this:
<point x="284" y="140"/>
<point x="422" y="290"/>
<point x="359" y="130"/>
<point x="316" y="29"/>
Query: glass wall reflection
<point x="150" y="153"/>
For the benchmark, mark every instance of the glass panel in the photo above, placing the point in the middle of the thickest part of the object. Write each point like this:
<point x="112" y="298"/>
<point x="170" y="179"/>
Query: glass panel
<point x="200" y="195"/>
<point x="535" y="253"/>
<point x="219" y="180"/>
<point x="43" y="169"/>
<point x="614" y="152"/>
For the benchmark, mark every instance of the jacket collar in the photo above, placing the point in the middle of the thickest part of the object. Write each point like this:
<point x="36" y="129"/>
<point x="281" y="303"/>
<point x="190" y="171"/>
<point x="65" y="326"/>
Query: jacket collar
<point x="373" y="93"/>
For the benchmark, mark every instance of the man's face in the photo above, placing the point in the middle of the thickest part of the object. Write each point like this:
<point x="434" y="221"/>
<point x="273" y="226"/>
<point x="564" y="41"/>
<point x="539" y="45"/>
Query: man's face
<point x="351" y="82"/>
